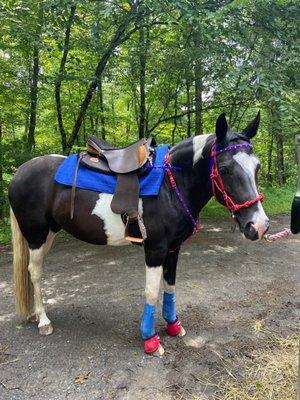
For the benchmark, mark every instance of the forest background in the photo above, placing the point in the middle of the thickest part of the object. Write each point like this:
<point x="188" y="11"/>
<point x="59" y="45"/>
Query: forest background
<point x="128" y="69"/>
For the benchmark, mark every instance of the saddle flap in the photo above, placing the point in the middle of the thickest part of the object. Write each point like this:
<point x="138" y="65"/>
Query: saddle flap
<point x="126" y="196"/>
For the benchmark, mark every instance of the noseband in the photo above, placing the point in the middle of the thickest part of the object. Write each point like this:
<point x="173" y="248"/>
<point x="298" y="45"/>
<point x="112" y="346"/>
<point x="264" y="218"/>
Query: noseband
<point x="217" y="183"/>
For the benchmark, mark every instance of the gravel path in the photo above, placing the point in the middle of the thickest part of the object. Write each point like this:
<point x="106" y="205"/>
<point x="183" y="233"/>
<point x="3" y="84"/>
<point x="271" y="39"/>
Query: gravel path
<point x="227" y="287"/>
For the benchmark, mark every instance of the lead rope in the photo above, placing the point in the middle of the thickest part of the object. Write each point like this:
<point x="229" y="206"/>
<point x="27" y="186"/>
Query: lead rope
<point x="279" y="235"/>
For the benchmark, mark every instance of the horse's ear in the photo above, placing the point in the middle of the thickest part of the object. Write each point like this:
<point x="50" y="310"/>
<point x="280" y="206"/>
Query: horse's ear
<point x="221" y="127"/>
<point x="252" y="128"/>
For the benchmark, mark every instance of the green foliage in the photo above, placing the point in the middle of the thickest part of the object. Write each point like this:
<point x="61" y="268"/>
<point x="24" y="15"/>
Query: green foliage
<point x="244" y="54"/>
<point x="5" y="232"/>
<point x="278" y="200"/>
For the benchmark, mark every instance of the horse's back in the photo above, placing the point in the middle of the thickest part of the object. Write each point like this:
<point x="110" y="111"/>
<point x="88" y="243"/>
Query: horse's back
<point x="32" y="180"/>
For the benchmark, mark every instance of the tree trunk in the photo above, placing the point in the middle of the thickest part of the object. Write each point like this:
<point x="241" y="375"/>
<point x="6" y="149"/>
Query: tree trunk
<point x="2" y="202"/>
<point x="35" y="77"/>
<point x="59" y="79"/>
<point x="188" y="105"/>
<point x="27" y="109"/>
<point x="278" y="137"/>
<point x="269" y="177"/>
<point x="101" y="108"/>
<point x="93" y="126"/>
<point x="113" y="113"/>
<point x="280" y="158"/>
<point x="175" y="117"/>
<point x="26" y="125"/>
<point x="117" y="39"/>
<point x="198" y="72"/>
<point x="142" y="79"/>
<point x="127" y="128"/>
<point x="100" y="101"/>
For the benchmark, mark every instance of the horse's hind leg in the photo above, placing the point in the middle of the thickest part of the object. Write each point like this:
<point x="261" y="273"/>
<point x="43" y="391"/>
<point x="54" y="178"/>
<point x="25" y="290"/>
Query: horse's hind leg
<point x="174" y="327"/>
<point x="36" y="258"/>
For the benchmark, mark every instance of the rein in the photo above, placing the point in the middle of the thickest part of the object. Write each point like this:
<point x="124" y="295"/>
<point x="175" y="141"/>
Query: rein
<point x="217" y="183"/>
<point x="179" y="195"/>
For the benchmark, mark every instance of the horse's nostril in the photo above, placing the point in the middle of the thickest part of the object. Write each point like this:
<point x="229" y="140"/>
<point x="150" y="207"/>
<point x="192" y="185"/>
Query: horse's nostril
<point x="250" y="231"/>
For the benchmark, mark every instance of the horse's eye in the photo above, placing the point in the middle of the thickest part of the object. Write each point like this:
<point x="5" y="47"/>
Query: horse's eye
<point x="223" y="170"/>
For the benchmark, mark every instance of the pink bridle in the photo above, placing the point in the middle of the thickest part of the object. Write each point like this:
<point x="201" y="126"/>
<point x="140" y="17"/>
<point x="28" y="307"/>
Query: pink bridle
<point x="217" y="183"/>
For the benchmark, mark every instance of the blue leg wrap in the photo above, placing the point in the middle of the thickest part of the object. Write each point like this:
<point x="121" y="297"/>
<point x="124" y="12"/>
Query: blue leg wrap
<point x="148" y="321"/>
<point x="169" y="307"/>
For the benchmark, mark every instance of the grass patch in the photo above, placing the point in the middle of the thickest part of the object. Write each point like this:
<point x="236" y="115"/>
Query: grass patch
<point x="5" y="233"/>
<point x="271" y="374"/>
<point x="278" y="200"/>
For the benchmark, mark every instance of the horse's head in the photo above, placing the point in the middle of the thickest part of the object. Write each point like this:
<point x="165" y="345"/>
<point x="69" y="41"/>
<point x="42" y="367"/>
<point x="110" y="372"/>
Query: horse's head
<point x="234" y="177"/>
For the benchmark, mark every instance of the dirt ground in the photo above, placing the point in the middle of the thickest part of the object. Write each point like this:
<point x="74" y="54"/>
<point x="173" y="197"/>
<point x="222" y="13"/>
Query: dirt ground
<point x="227" y="288"/>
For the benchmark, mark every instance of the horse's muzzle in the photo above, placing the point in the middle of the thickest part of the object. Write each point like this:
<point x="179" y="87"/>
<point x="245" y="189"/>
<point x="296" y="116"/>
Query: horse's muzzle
<point x="255" y="231"/>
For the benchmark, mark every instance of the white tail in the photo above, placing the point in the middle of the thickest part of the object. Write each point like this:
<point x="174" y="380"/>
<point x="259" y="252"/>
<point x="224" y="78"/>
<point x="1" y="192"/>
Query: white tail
<point x="22" y="282"/>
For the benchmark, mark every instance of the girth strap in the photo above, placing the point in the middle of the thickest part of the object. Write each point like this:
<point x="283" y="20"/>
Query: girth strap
<point x="73" y="190"/>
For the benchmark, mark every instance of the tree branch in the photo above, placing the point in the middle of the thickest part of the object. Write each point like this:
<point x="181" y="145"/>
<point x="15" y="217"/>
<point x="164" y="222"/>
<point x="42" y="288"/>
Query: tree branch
<point x="172" y="117"/>
<point x="115" y="41"/>
<point x="59" y="78"/>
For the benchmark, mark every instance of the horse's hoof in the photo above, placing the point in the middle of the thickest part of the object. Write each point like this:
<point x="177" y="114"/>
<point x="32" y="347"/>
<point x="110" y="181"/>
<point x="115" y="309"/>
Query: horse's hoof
<point x="153" y="347"/>
<point x="159" y="352"/>
<point x="182" y="332"/>
<point x="32" y="318"/>
<point x="175" y="329"/>
<point x="46" y="330"/>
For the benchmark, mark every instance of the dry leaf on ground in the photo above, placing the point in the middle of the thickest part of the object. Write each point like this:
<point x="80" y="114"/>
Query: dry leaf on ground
<point x="81" y="378"/>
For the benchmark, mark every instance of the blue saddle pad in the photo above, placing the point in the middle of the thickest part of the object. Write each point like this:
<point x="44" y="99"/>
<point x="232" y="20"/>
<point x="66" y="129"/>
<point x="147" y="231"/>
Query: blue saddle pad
<point x="150" y="181"/>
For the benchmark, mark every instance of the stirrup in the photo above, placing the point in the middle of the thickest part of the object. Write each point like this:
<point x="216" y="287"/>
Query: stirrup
<point x="134" y="239"/>
<point x="128" y="236"/>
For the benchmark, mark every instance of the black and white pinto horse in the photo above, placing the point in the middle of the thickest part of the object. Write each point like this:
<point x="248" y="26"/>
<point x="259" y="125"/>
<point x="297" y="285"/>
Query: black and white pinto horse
<point x="221" y="164"/>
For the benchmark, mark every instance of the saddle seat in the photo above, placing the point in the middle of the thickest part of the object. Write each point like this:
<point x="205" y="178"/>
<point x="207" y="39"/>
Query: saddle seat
<point x="125" y="163"/>
<point x="102" y="156"/>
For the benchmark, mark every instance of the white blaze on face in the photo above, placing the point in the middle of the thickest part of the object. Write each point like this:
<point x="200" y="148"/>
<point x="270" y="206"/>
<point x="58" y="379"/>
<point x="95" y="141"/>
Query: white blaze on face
<point x="199" y="143"/>
<point x="113" y="224"/>
<point x="249" y="163"/>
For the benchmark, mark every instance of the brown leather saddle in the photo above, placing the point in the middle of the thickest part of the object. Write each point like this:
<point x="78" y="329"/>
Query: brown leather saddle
<point x="125" y="163"/>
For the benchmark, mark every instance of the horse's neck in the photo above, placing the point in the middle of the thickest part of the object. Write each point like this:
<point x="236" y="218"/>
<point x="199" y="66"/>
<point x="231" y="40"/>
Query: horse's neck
<point x="192" y="155"/>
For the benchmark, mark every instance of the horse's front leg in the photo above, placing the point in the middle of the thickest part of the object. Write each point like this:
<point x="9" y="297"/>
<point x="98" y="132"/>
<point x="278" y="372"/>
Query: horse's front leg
<point x="174" y="327"/>
<point x="151" y="339"/>
<point x="155" y="256"/>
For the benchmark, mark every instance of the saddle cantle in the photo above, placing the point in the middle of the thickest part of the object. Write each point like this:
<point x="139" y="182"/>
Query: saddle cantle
<point x="125" y="163"/>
